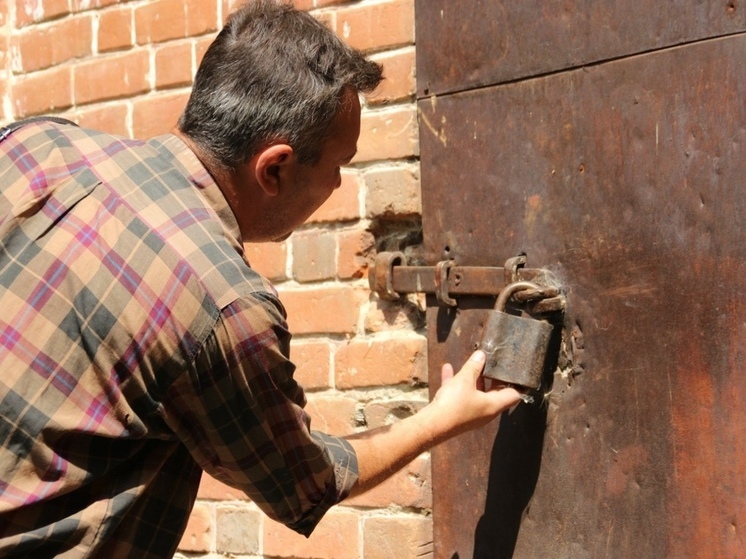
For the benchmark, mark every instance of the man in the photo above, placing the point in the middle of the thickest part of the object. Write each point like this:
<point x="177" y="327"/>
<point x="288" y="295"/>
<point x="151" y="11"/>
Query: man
<point x="138" y="348"/>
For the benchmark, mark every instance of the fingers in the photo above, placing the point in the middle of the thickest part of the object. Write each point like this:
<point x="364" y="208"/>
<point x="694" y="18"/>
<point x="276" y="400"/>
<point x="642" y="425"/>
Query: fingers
<point x="507" y="397"/>
<point x="503" y="396"/>
<point x="446" y="373"/>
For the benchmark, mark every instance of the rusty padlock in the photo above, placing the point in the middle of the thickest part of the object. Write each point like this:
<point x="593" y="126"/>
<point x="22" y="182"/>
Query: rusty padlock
<point x="515" y="346"/>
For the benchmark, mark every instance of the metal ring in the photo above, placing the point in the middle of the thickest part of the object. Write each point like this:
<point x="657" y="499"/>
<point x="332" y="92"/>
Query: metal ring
<point x="509" y="290"/>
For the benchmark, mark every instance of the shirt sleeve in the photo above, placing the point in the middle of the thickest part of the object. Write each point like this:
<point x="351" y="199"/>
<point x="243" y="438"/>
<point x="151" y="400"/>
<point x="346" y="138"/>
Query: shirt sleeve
<point x="240" y="413"/>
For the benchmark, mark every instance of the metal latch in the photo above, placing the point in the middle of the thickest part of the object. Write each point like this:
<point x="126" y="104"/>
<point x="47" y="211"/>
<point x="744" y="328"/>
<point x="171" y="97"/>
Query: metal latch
<point x="391" y="277"/>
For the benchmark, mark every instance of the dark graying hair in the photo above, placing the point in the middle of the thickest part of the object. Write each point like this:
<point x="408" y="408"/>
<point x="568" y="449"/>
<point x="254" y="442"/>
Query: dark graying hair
<point x="272" y="74"/>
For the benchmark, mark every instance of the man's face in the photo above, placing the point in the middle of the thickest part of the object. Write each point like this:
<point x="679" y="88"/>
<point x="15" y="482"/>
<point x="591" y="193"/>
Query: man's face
<point x="315" y="183"/>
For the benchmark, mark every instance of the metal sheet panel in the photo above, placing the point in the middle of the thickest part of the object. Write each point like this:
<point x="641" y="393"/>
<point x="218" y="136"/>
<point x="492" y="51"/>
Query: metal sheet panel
<point x="464" y="45"/>
<point x="628" y="181"/>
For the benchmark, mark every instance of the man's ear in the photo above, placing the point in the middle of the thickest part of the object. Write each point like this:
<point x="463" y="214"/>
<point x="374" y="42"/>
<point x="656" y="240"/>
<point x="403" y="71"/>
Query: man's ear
<point x="273" y="164"/>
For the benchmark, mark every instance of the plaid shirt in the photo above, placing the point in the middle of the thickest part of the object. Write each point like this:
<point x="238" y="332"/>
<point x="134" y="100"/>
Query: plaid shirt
<point x="138" y="348"/>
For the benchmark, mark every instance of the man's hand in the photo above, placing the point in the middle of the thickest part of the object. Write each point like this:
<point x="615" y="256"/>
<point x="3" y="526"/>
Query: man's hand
<point x="461" y="404"/>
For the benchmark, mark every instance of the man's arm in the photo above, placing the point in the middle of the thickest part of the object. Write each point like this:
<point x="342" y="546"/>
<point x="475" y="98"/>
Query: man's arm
<point x="459" y="405"/>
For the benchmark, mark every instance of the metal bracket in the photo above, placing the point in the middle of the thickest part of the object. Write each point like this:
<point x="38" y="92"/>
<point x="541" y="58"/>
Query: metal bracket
<point x="381" y="278"/>
<point x="441" y="283"/>
<point x="512" y="265"/>
<point x="390" y="277"/>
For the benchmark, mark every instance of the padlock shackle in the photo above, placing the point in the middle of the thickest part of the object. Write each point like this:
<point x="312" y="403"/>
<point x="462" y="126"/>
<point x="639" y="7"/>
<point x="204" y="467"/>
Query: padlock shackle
<point x="509" y="290"/>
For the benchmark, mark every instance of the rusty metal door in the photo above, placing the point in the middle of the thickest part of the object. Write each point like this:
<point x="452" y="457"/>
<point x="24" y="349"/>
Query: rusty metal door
<point x="607" y="141"/>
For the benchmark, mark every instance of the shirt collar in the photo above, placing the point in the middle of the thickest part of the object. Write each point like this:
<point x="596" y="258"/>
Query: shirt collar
<point x="198" y="175"/>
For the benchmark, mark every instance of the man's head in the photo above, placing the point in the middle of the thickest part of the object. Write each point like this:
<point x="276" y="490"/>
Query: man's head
<point x="273" y="74"/>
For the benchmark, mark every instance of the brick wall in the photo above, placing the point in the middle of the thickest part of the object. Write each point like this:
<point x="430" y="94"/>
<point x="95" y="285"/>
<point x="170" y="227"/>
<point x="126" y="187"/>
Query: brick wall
<point x="126" y="68"/>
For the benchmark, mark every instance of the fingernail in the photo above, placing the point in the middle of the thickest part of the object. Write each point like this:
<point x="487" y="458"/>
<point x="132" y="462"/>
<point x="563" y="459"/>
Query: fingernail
<point x="478" y="356"/>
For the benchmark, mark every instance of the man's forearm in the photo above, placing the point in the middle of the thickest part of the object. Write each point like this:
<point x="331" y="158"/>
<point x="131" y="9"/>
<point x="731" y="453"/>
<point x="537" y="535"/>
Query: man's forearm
<point x="383" y="451"/>
<point x="460" y="405"/>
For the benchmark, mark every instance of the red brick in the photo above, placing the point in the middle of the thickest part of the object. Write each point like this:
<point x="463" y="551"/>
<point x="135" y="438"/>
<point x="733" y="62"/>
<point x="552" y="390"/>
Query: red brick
<point x="5" y="60"/>
<point x="314" y="255"/>
<point x="200" y="47"/>
<point x="343" y="204"/>
<point x="410" y="488"/>
<point x="198" y="535"/>
<point x="49" y="45"/>
<point x="326" y="18"/>
<point x="383" y="316"/>
<point x="313" y="361"/>
<point x="377" y="26"/>
<point x="112" y="77"/>
<point x="335" y="537"/>
<point x="388" y="134"/>
<point x="380" y="413"/>
<point x="334" y="415"/>
<point x="310" y="4"/>
<point x="393" y="191"/>
<point x="162" y="20"/>
<point x="397" y="537"/>
<point x="381" y="362"/>
<point x="356" y="250"/>
<point x="69" y="114"/>
<point x="33" y="11"/>
<point x="157" y="114"/>
<point x="213" y="490"/>
<point x="84" y="5"/>
<point x="238" y="531"/>
<point x="115" y="29"/>
<point x="229" y="6"/>
<point x="42" y="92"/>
<point x="268" y="259"/>
<point x="3" y="93"/>
<point x="173" y="65"/>
<point x="111" y="118"/>
<point x="333" y="310"/>
<point x="399" y="78"/>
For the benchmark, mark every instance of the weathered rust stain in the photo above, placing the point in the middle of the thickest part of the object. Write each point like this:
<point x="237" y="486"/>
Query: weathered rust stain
<point x="707" y="504"/>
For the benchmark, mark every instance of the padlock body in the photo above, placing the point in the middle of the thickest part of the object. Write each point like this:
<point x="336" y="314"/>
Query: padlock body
<point x="516" y="348"/>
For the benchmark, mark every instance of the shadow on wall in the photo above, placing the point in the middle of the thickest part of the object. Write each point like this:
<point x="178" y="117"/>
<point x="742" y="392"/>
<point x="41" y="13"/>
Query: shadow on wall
<point x="514" y="471"/>
<point x="515" y="463"/>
